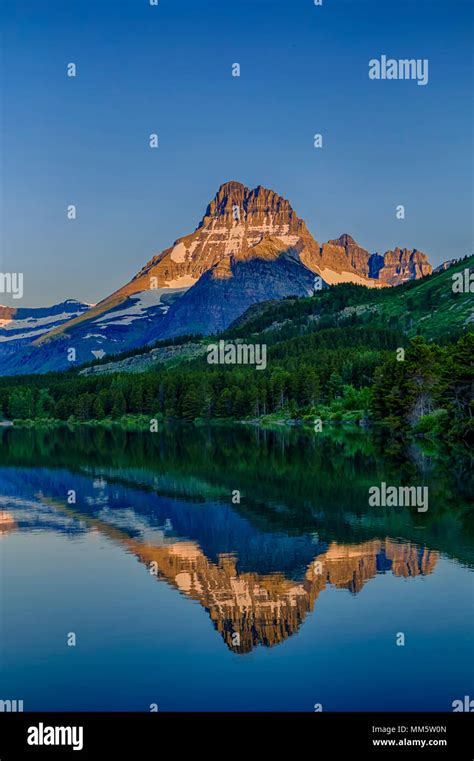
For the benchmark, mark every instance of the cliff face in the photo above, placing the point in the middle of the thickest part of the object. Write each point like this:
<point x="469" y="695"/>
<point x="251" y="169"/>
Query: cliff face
<point x="393" y="268"/>
<point x="356" y="256"/>
<point x="236" y="220"/>
<point x="399" y="265"/>
<point x="262" y="211"/>
<point x="269" y="270"/>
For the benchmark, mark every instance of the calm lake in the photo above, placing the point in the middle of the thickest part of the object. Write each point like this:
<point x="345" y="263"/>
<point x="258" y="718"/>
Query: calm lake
<point x="231" y="570"/>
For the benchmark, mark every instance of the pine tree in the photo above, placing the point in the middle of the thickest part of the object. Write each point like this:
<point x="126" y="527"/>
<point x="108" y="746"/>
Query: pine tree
<point x="21" y="404"/>
<point x="136" y="398"/>
<point x="44" y="404"/>
<point x="98" y="408"/>
<point x="83" y="407"/>
<point x="334" y="386"/>
<point x="119" y="405"/>
<point x="224" y="404"/>
<point x="192" y="403"/>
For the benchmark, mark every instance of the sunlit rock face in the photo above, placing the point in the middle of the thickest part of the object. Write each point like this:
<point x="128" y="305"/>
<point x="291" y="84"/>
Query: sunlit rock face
<point x="399" y="266"/>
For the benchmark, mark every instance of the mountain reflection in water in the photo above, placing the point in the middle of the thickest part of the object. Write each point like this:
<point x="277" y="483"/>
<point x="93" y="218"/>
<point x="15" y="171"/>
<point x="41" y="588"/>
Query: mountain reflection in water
<point x="262" y="609"/>
<point x="257" y="568"/>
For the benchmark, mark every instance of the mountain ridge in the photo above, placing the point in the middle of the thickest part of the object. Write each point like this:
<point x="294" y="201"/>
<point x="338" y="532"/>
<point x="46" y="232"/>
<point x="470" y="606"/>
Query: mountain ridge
<point x="235" y="237"/>
<point x="405" y="307"/>
<point x="236" y="219"/>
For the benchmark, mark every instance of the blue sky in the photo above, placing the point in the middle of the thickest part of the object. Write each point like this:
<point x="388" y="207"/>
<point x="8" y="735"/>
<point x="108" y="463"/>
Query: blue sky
<point x="167" y="69"/>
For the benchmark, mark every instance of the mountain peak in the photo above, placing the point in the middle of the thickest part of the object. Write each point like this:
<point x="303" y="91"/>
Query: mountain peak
<point x="234" y="202"/>
<point x="252" y="231"/>
<point x="346" y="240"/>
<point x="400" y="264"/>
<point x="230" y="194"/>
<point x="227" y="187"/>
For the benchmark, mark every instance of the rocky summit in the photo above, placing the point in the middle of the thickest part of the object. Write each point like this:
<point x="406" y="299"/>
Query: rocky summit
<point x="400" y="265"/>
<point x="236" y="220"/>
<point x="250" y="246"/>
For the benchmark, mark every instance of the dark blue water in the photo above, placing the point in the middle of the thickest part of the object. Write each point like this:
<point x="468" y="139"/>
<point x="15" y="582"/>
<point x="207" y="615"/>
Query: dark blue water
<point x="179" y="597"/>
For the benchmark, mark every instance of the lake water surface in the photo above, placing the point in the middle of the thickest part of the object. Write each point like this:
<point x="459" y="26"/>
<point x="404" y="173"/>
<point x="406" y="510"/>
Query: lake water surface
<point x="181" y="596"/>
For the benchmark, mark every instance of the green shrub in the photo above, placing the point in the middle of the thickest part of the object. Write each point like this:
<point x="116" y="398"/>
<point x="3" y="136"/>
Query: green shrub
<point x="433" y="424"/>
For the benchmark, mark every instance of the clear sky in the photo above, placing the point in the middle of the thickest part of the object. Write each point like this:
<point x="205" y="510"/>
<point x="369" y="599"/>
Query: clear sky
<point x="167" y="69"/>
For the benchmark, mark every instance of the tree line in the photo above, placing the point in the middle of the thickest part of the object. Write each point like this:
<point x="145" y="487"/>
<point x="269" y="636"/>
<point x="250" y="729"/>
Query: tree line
<point x="432" y="386"/>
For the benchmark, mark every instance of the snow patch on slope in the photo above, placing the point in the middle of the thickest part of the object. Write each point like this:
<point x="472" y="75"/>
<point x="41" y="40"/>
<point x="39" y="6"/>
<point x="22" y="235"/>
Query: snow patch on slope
<point x="138" y="305"/>
<point x="31" y="327"/>
<point x="184" y="281"/>
<point x="36" y="322"/>
<point x="334" y="278"/>
<point x="178" y="254"/>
